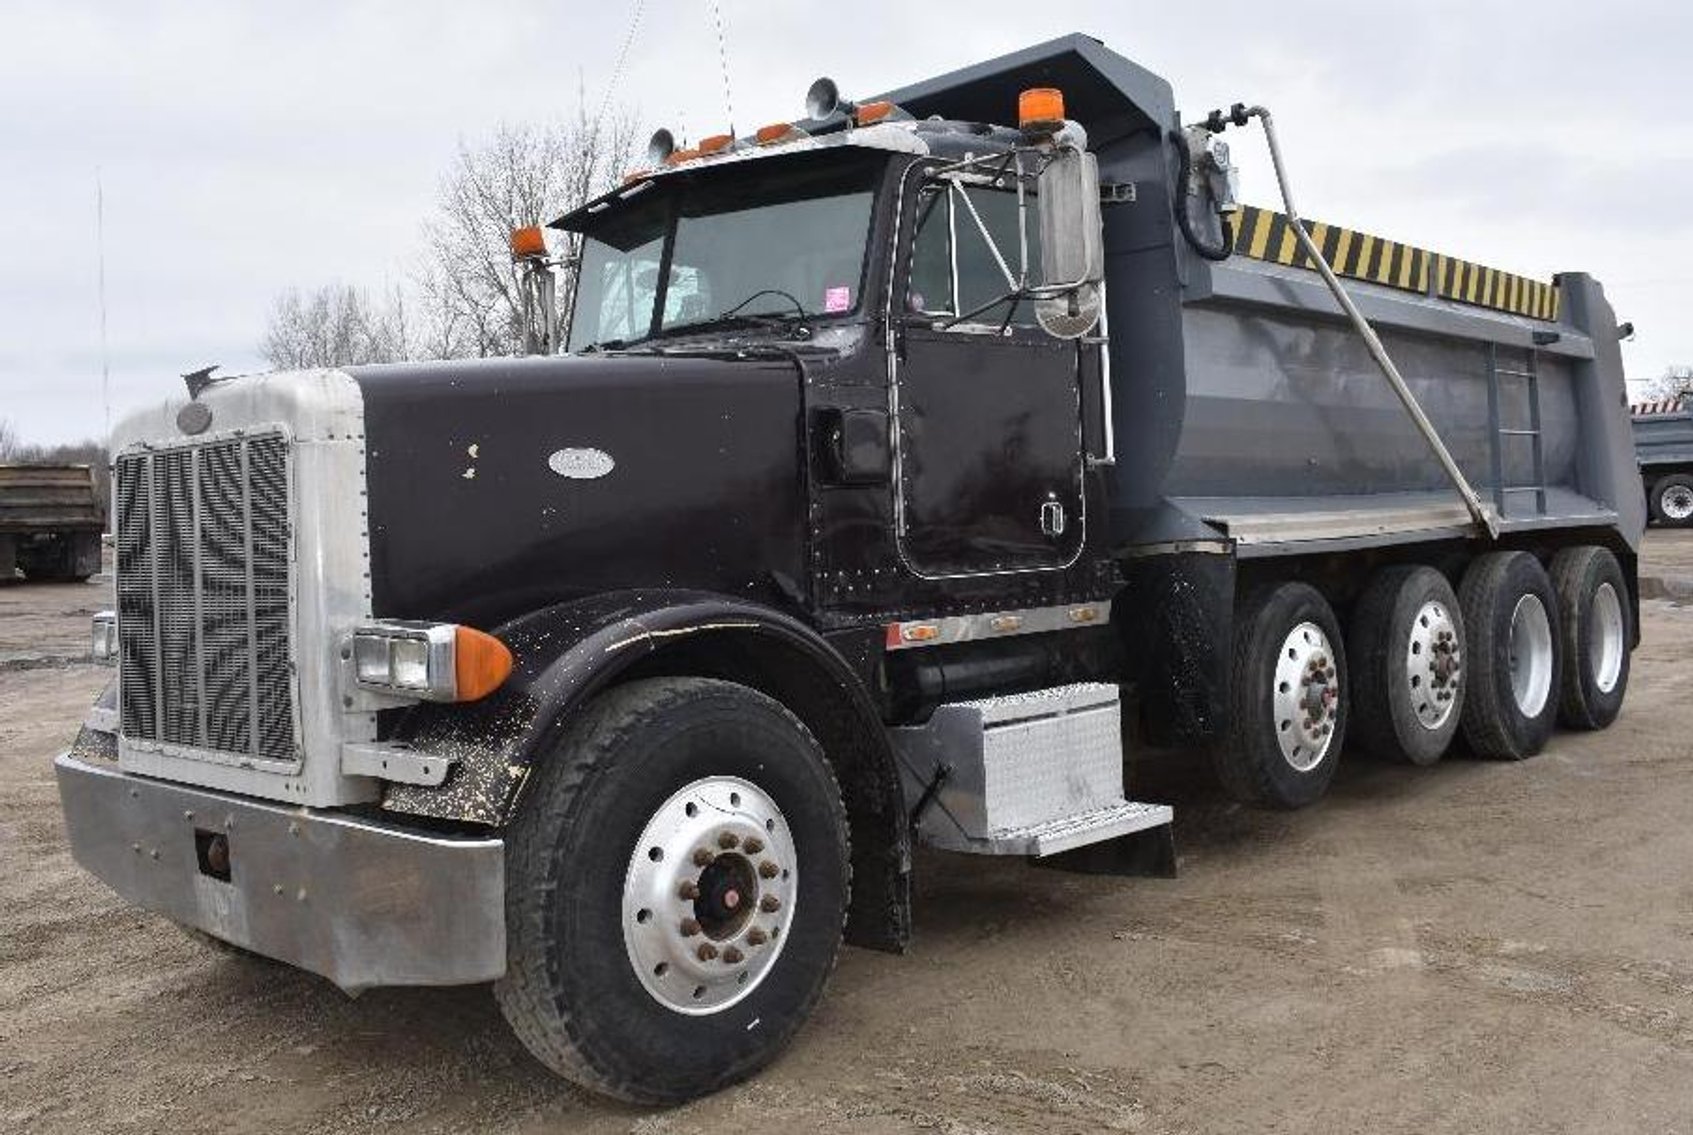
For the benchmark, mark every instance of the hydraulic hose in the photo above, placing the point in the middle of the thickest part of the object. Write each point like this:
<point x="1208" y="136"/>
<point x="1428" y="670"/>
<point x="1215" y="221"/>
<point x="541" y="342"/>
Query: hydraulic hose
<point x="1482" y="516"/>
<point x="1185" y="219"/>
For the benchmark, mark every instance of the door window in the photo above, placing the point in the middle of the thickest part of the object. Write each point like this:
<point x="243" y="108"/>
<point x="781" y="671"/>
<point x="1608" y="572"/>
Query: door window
<point x="967" y="255"/>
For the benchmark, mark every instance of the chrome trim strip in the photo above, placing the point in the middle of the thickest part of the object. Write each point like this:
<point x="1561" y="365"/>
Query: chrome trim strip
<point x="952" y="629"/>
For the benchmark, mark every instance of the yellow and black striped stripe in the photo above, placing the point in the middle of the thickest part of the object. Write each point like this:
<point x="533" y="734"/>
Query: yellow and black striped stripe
<point x="1263" y="234"/>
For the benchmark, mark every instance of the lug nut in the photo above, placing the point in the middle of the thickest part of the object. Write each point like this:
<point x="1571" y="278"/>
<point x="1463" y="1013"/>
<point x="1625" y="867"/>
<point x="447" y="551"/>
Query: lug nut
<point x="703" y="857"/>
<point x="757" y="937"/>
<point x="768" y="870"/>
<point x="706" y="952"/>
<point x="753" y="845"/>
<point x="690" y="927"/>
<point x="732" y="956"/>
<point x="728" y="840"/>
<point x="769" y="904"/>
<point x="689" y="890"/>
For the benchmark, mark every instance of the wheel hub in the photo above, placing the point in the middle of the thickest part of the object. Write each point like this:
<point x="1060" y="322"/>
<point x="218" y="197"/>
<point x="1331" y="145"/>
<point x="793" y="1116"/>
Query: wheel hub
<point x="1678" y="503"/>
<point x="1530" y="651"/>
<point x="710" y="888"/>
<point x="1433" y="664"/>
<point x="1307" y="696"/>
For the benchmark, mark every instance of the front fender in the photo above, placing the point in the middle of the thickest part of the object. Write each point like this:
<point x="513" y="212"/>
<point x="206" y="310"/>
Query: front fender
<point x="562" y="656"/>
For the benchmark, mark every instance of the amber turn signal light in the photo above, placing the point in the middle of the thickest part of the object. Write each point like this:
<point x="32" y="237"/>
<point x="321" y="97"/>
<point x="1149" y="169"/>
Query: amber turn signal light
<point x="873" y="112"/>
<point x="1040" y="109"/>
<point x="481" y="663"/>
<point x="528" y="242"/>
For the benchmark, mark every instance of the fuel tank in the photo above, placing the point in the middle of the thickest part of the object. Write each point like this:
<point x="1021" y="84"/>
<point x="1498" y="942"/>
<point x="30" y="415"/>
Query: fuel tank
<point x="496" y="486"/>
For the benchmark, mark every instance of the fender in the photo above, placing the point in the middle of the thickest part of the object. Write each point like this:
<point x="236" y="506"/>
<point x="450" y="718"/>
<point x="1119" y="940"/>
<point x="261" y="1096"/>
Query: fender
<point x="564" y="654"/>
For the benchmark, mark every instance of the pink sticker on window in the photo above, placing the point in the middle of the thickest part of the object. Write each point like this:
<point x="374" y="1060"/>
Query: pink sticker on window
<point x="837" y="299"/>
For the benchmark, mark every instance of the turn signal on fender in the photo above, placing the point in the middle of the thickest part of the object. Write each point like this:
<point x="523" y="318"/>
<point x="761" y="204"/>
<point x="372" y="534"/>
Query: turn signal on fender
<point x="481" y="663"/>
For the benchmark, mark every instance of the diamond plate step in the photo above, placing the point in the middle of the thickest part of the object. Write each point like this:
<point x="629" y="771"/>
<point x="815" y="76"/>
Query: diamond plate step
<point x="1070" y="832"/>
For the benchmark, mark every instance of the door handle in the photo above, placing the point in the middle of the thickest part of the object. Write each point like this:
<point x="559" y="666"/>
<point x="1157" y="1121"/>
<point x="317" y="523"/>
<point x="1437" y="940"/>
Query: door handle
<point x="1052" y="518"/>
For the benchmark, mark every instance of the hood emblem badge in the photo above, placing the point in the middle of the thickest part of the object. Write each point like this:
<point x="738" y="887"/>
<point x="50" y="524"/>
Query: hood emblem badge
<point x="194" y="418"/>
<point x="581" y="464"/>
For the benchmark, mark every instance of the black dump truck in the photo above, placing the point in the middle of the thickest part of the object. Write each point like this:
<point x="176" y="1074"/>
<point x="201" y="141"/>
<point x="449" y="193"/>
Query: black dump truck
<point x="1663" y="445"/>
<point x="908" y="467"/>
<point x="50" y="523"/>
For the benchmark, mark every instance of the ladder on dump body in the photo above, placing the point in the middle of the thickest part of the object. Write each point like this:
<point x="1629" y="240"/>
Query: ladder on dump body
<point x="1530" y="374"/>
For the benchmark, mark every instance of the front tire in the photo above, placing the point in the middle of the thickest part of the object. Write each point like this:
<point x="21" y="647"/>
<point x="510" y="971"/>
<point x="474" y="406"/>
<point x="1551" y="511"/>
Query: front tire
<point x="1406" y="651"/>
<point x="1593" y="623"/>
<point x="1287" y="720"/>
<point x="659" y="947"/>
<point x="1510" y="615"/>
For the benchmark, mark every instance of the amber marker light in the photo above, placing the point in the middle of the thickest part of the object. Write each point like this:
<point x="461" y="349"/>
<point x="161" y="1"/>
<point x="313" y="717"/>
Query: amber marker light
<point x="680" y="156"/>
<point x="528" y="242"/>
<point x="777" y="132"/>
<point x="1040" y="109"/>
<point x="481" y="663"/>
<point x="715" y="144"/>
<point x="872" y="112"/>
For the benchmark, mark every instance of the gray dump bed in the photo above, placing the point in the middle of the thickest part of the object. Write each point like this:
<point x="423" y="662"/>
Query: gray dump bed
<point x="1245" y="405"/>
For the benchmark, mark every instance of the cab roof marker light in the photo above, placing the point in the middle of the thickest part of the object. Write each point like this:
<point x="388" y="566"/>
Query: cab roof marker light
<point x="778" y="132"/>
<point x="873" y="112"/>
<point x="680" y="156"/>
<point x="716" y="144"/>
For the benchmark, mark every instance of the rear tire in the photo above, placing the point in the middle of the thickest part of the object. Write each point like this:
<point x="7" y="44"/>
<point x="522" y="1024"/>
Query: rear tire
<point x="1594" y="626"/>
<point x="1406" y="654"/>
<point x="1513" y="662"/>
<point x="1672" y="500"/>
<point x="1287" y="720"/>
<point x="609" y="979"/>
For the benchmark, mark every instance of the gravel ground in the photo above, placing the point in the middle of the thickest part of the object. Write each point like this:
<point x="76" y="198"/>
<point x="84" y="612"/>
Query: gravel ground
<point x="1465" y="948"/>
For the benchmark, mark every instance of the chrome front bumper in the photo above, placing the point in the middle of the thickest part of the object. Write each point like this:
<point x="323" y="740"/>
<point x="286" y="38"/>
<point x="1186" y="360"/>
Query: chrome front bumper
<point x="360" y="902"/>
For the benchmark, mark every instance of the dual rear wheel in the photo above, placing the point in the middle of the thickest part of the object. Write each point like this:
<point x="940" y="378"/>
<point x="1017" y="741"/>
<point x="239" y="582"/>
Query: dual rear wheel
<point x="1513" y="651"/>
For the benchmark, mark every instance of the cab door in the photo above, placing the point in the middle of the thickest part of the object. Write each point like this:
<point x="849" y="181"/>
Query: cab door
<point x="989" y="442"/>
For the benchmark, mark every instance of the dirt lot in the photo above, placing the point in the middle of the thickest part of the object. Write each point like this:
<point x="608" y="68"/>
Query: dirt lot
<point x="1475" y="947"/>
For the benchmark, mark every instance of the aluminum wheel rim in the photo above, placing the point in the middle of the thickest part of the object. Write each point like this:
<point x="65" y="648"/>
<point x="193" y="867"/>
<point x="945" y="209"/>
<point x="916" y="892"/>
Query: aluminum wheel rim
<point x="1433" y="664"/>
<point x="1531" y="655"/>
<point x="1306" y="697"/>
<point x="1605" y="638"/>
<point x="709" y="895"/>
<point x="1678" y="502"/>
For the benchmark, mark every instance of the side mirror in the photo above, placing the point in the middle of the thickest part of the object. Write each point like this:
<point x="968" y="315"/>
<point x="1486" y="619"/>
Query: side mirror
<point x="1072" y="243"/>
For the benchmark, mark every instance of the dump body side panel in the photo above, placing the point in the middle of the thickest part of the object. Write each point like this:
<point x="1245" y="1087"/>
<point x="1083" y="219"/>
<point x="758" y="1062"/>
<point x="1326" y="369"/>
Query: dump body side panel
<point x="1663" y="440"/>
<point x="49" y="498"/>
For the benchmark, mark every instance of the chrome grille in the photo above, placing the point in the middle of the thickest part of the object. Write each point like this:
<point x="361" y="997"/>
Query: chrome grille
<point x="202" y="582"/>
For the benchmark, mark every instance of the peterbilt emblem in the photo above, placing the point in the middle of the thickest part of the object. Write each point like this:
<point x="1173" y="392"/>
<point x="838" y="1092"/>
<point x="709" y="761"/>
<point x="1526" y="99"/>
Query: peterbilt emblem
<point x="581" y="464"/>
<point x="194" y="418"/>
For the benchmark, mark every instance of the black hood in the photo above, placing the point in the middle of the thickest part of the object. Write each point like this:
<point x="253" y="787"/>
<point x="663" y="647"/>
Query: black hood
<point x="497" y="486"/>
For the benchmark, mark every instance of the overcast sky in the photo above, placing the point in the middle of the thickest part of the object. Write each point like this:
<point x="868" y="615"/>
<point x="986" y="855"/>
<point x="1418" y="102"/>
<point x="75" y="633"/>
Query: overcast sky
<point x="248" y="147"/>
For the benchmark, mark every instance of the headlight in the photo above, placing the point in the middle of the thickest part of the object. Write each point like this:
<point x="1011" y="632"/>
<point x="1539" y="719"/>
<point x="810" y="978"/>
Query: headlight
<point x="430" y="661"/>
<point x="103" y="644"/>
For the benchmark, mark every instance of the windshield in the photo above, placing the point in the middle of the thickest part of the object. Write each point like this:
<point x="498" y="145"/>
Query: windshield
<point x="759" y="241"/>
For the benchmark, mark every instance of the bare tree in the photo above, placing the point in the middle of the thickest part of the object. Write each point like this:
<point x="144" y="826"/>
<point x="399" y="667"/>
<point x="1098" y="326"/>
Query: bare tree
<point x="8" y="440"/>
<point x="332" y="326"/>
<point x="523" y="175"/>
<point x="1675" y="382"/>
